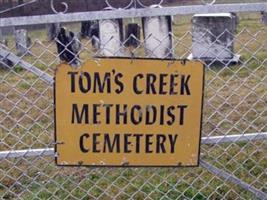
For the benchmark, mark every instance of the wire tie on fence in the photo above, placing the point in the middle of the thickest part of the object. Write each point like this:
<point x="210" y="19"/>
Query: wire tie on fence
<point x="183" y="62"/>
<point x="102" y="163"/>
<point x="59" y="143"/>
<point x="80" y="163"/>
<point x="170" y="63"/>
<point x="125" y="163"/>
<point x="132" y="57"/>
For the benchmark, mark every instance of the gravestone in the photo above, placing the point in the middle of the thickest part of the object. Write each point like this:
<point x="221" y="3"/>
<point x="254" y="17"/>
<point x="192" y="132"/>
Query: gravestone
<point x="53" y="30"/>
<point x="158" y="40"/>
<point x="111" y="36"/>
<point x="213" y="37"/>
<point x="132" y="35"/>
<point x="22" y="41"/>
<point x="86" y="29"/>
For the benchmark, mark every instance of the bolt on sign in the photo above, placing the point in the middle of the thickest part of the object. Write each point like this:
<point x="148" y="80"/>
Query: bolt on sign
<point x="129" y="112"/>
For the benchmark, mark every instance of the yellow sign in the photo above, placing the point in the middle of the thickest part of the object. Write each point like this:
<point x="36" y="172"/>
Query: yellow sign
<point x="129" y="112"/>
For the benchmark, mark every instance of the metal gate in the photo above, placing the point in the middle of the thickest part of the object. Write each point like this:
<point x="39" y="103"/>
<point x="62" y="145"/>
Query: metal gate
<point x="234" y="130"/>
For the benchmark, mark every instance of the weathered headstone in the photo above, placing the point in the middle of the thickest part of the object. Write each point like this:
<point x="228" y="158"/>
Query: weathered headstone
<point x="86" y="28"/>
<point x="22" y="41"/>
<point x="53" y="30"/>
<point x="132" y="35"/>
<point x="213" y="37"/>
<point x="111" y="36"/>
<point x="158" y="40"/>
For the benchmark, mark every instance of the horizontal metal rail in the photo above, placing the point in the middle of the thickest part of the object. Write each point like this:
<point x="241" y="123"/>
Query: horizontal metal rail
<point x="204" y="140"/>
<point x="17" y="60"/>
<point x="234" y="138"/>
<point x="27" y="153"/>
<point x="131" y="13"/>
<point x="229" y="177"/>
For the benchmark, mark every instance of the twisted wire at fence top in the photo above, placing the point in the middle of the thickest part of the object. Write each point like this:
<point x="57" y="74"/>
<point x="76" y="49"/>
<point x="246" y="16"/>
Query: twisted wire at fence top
<point x="130" y="4"/>
<point x="66" y="7"/>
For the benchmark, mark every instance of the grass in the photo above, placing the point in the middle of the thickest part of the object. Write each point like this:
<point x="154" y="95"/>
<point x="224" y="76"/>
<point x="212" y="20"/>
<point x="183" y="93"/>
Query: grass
<point x="235" y="102"/>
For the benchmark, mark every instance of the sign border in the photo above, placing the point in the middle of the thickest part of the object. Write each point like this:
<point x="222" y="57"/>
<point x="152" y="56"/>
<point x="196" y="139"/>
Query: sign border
<point x="183" y="61"/>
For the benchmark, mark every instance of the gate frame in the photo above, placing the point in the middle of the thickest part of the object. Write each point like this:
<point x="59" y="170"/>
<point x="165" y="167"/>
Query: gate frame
<point x="62" y="17"/>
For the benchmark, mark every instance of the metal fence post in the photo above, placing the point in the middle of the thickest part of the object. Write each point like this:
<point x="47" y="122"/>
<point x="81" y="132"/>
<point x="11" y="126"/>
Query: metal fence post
<point x="22" y="41"/>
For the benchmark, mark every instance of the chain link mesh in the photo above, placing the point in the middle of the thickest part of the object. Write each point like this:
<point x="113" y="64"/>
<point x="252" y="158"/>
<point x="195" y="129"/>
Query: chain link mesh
<point x="235" y="104"/>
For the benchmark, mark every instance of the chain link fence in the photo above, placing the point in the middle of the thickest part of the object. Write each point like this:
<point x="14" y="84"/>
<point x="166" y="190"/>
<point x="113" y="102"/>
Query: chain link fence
<point x="233" y="150"/>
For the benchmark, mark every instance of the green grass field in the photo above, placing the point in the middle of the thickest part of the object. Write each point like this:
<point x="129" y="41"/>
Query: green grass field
<point x="235" y="103"/>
